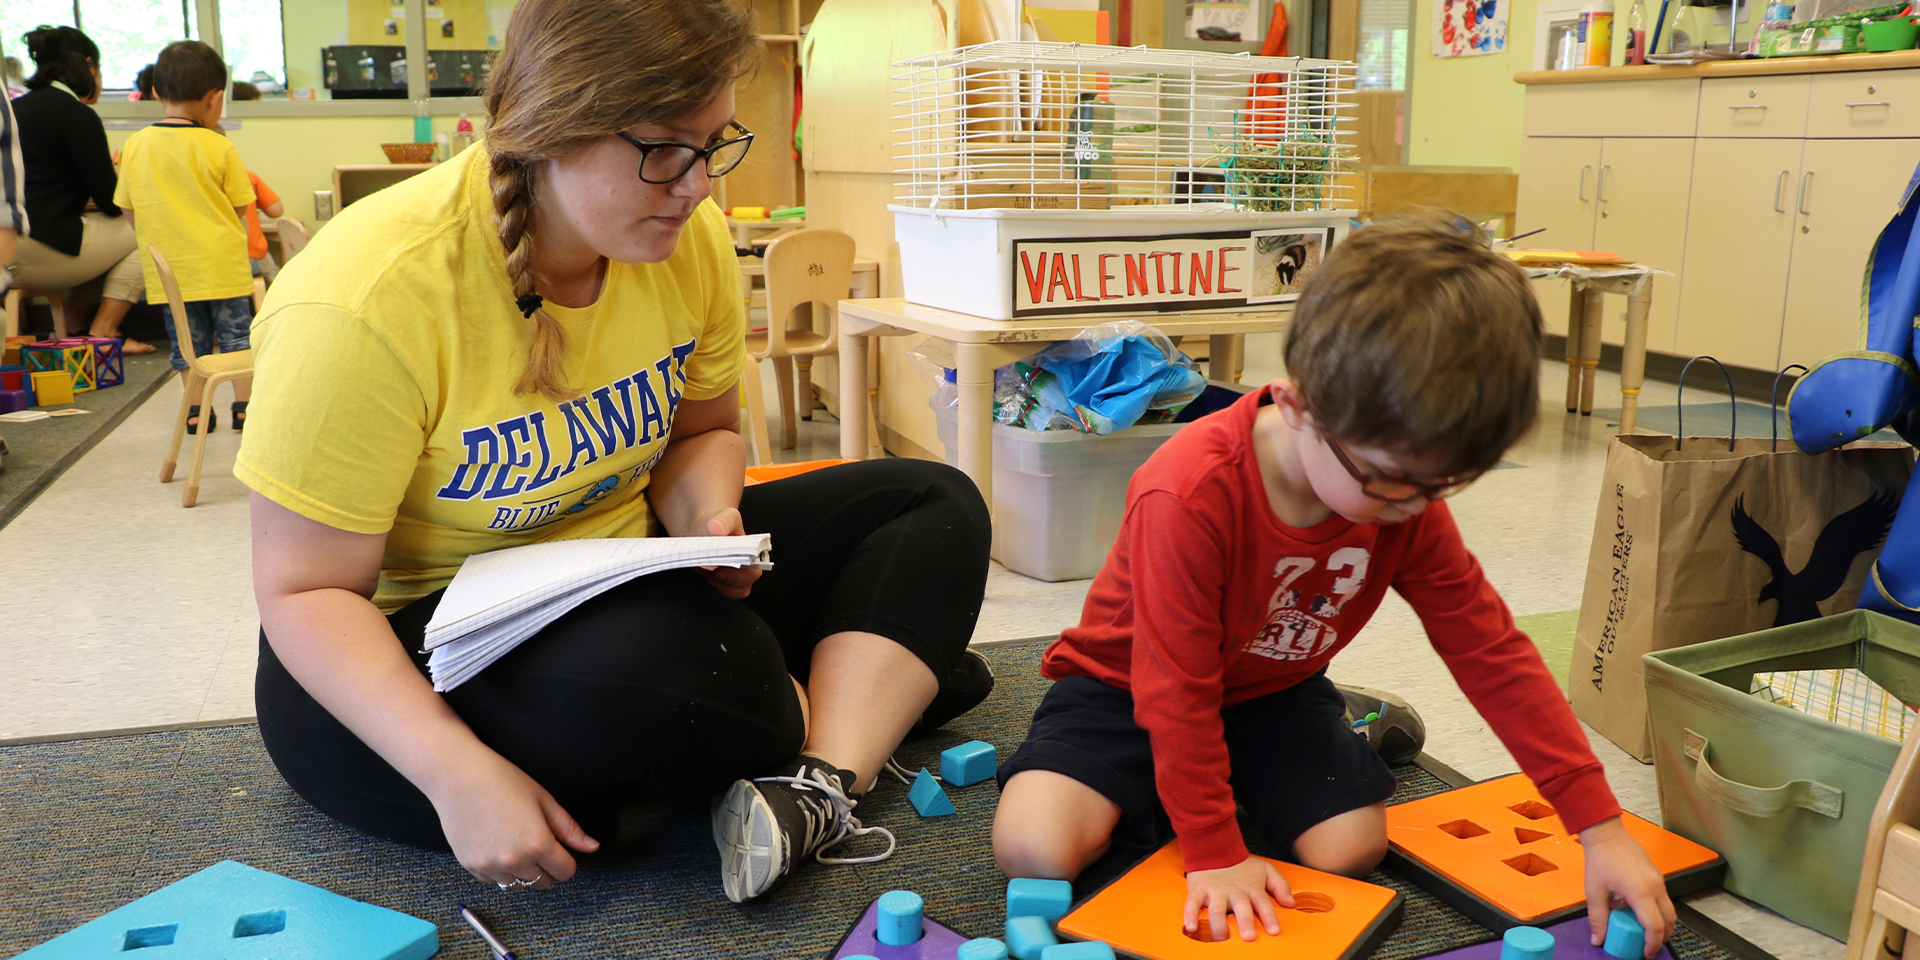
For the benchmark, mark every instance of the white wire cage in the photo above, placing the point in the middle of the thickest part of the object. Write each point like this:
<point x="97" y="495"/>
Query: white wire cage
<point x="1066" y="126"/>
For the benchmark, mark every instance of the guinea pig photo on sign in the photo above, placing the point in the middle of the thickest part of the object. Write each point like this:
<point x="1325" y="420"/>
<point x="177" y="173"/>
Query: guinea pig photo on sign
<point x="1282" y="262"/>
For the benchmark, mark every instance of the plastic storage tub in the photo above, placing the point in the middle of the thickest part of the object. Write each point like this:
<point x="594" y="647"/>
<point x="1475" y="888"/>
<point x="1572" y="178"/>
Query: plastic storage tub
<point x="1058" y="494"/>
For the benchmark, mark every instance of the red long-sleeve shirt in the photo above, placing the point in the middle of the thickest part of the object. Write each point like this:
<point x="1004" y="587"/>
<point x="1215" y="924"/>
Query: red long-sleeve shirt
<point x="1208" y="600"/>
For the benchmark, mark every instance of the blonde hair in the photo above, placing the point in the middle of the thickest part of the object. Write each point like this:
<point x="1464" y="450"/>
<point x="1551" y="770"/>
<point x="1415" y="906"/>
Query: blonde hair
<point x="569" y="73"/>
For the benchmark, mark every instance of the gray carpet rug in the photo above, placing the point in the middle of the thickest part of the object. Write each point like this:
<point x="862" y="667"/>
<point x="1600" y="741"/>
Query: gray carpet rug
<point x="44" y="449"/>
<point x="92" y="824"/>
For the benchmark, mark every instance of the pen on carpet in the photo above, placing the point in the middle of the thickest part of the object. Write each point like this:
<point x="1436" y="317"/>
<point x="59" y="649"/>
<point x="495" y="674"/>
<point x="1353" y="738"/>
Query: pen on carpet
<point x="493" y="943"/>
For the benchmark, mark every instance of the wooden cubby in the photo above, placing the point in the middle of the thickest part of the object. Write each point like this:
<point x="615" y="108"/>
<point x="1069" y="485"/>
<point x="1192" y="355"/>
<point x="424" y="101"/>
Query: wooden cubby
<point x="771" y="176"/>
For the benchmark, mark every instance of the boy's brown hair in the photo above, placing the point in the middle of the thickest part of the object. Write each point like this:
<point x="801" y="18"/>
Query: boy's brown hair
<point x="186" y="71"/>
<point x="1413" y="337"/>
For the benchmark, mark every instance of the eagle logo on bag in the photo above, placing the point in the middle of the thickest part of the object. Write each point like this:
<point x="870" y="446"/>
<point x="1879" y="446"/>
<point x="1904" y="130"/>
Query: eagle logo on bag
<point x="1844" y="538"/>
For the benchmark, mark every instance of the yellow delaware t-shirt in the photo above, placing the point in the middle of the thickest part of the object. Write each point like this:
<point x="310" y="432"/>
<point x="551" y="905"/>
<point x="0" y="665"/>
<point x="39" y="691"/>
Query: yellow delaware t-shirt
<point x="182" y="183"/>
<point x="385" y="358"/>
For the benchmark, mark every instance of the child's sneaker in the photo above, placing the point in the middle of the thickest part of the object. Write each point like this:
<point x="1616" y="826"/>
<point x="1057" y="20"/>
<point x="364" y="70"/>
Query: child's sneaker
<point x="1395" y="731"/>
<point x="766" y="826"/>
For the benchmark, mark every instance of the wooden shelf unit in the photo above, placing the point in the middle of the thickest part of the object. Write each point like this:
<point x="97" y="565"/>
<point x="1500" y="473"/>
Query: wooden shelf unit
<point x="771" y="176"/>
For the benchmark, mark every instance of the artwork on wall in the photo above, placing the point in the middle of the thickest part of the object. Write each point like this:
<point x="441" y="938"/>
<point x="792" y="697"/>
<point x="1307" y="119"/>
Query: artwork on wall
<point x="1466" y="28"/>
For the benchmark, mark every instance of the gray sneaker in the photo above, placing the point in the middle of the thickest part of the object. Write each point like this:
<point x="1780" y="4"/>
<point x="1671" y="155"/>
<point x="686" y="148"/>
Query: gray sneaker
<point x="767" y="826"/>
<point x="1390" y="724"/>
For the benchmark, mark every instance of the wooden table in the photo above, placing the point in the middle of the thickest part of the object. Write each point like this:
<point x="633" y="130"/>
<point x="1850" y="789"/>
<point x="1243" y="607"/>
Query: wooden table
<point x="1589" y="285"/>
<point x="981" y="346"/>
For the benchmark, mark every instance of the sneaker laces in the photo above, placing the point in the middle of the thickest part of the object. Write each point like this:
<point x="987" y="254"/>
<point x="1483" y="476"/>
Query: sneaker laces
<point x="830" y="819"/>
<point x="900" y="773"/>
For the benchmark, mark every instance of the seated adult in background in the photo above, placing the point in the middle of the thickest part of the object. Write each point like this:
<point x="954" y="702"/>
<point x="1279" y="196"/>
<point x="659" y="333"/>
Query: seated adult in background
<point x="64" y="147"/>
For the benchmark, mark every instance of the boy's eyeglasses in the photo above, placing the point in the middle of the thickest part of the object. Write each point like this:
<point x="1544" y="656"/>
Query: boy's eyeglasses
<point x="665" y="161"/>
<point x="1398" y="489"/>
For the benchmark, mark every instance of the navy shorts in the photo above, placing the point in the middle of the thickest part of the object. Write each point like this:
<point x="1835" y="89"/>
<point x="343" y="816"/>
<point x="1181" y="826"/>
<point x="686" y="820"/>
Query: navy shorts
<point x="1295" y="760"/>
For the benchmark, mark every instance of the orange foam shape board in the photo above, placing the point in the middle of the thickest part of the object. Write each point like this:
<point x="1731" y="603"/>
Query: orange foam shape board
<point x="1501" y="842"/>
<point x="1335" y="918"/>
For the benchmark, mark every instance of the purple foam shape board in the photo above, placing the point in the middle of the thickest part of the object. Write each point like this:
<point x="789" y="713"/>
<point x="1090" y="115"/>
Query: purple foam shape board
<point x="231" y="911"/>
<point x="1572" y="940"/>
<point x="938" y="942"/>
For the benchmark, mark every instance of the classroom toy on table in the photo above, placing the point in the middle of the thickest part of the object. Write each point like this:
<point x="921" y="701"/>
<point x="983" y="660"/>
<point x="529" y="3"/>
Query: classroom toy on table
<point x="1570" y="940"/>
<point x="1333" y="917"/>
<point x="898" y="912"/>
<point x="231" y="911"/>
<point x="1498" y="853"/>
<point x="75" y="358"/>
<point x="51" y="387"/>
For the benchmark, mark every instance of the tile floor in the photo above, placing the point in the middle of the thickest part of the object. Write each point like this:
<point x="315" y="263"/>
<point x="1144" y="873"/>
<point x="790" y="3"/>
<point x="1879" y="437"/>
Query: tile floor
<point x="123" y="611"/>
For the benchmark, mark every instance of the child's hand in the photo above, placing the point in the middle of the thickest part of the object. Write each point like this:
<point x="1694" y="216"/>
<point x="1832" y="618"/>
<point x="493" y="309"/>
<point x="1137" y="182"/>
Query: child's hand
<point x="1618" y="871"/>
<point x="1247" y="887"/>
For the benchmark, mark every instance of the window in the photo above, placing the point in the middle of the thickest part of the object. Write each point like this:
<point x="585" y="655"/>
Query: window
<point x="1382" y="61"/>
<point x="129" y="33"/>
<point x="253" y="44"/>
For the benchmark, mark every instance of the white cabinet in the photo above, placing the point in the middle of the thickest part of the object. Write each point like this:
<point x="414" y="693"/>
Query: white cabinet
<point x="1765" y="206"/>
<point x="1846" y="192"/>
<point x="1740" y="238"/>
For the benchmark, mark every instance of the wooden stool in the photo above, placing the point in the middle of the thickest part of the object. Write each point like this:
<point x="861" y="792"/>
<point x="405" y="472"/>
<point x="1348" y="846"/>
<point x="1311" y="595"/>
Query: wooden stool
<point x="56" y="300"/>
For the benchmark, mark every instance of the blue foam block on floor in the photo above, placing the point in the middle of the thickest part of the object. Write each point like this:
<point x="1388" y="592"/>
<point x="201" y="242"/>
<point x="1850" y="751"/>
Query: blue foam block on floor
<point x="927" y="797"/>
<point x="1626" y="939"/>
<point x="231" y="911"/>
<point x="1027" y="936"/>
<point x="968" y="763"/>
<point x="1047" y="899"/>
<point x="1086" y="950"/>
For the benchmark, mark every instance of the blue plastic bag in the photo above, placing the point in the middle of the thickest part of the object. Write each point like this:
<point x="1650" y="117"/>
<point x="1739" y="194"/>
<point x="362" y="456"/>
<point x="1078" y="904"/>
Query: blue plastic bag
<point x="1107" y="379"/>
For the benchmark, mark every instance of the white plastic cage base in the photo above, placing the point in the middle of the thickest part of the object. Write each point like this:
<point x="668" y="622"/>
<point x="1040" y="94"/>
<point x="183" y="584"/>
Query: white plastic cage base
<point x="1061" y="126"/>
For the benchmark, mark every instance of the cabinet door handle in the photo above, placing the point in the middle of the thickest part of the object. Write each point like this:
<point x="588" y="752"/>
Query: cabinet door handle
<point x="1583" y="181"/>
<point x="1871" y="103"/>
<point x="1600" y="185"/>
<point x="1806" y="192"/>
<point x="1748" y="106"/>
<point x="1779" y="193"/>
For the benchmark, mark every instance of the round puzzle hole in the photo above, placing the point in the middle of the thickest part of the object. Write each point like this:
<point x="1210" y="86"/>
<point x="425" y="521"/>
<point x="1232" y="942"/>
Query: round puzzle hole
<point x="1308" y="901"/>
<point x="1203" y="932"/>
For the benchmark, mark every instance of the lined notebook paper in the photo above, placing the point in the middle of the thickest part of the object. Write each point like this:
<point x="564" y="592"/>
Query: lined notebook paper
<point x="501" y="598"/>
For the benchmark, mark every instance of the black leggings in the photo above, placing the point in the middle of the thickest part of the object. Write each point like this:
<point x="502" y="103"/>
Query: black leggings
<point x="661" y="686"/>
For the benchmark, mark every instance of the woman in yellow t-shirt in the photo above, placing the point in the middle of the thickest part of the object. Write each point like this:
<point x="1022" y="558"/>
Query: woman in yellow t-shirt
<point x="542" y="339"/>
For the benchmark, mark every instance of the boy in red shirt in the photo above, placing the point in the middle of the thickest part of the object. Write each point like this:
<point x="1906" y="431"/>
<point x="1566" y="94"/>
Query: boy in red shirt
<point x="1256" y="543"/>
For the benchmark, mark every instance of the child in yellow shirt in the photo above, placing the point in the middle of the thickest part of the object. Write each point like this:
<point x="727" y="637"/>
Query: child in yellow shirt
<point x="187" y="192"/>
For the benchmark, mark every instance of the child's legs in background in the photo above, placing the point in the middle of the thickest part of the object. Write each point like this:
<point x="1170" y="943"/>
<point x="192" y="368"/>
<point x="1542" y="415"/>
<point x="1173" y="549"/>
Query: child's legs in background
<point x="232" y="319"/>
<point x="1307" y="780"/>
<point x="1082" y="782"/>
<point x="199" y="324"/>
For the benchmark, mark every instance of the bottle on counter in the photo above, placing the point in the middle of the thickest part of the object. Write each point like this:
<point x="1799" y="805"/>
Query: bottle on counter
<point x="462" y="134"/>
<point x="1596" y="35"/>
<point x="1637" y="33"/>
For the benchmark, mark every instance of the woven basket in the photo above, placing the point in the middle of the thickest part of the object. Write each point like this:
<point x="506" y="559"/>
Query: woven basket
<point x="408" y="152"/>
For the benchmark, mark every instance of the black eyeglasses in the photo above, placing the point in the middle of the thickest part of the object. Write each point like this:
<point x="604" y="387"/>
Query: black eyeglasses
<point x="1403" y="489"/>
<point x="664" y="161"/>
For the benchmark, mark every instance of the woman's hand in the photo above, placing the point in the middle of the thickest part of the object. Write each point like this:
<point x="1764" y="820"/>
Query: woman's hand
<point x="1247" y="889"/>
<point x="505" y="827"/>
<point x="734" y="584"/>
<point x="1618" y="872"/>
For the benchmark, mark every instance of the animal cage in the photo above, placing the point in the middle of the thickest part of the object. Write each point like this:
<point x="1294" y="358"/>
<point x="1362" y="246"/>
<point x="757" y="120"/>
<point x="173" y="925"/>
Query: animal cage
<point x="1029" y="169"/>
<point x="1062" y="126"/>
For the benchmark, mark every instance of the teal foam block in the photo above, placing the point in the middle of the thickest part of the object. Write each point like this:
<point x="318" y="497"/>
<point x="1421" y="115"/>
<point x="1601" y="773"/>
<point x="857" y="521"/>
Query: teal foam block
<point x="1047" y="899"/>
<point x="984" y="948"/>
<point x="1626" y="939"/>
<point x="1027" y="936"/>
<point x="927" y="797"/>
<point x="1085" y="950"/>
<point x="968" y="763"/>
<point x="231" y="911"/>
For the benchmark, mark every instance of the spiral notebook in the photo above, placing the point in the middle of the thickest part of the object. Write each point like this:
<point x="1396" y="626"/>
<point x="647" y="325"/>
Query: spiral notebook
<point x="501" y="598"/>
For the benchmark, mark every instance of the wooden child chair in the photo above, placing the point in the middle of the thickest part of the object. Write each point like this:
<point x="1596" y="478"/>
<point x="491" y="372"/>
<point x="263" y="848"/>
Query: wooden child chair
<point x="803" y="268"/>
<point x="1887" y="904"/>
<point x="17" y="298"/>
<point x="293" y="238"/>
<point x="202" y="375"/>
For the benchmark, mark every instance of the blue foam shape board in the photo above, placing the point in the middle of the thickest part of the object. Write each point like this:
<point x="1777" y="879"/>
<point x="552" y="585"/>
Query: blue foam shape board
<point x="927" y="797"/>
<point x="1047" y="899"/>
<point x="1571" y="941"/>
<point x="969" y="763"/>
<point x="937" y="941"/>
<point x="231" y="911"/>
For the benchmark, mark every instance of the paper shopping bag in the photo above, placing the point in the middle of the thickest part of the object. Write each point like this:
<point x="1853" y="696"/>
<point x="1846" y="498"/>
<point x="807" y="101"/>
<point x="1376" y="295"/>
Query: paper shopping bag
<point x="1707" y="539"/>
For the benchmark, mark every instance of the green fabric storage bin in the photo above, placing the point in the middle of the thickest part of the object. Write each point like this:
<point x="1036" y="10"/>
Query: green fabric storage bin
<point x="1785" y="797"/>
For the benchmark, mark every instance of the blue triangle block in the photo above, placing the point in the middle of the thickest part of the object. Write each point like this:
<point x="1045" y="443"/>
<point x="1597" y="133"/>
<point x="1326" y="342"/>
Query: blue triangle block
<point x="231" y="911"/>
<point x="927" y="796"/>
